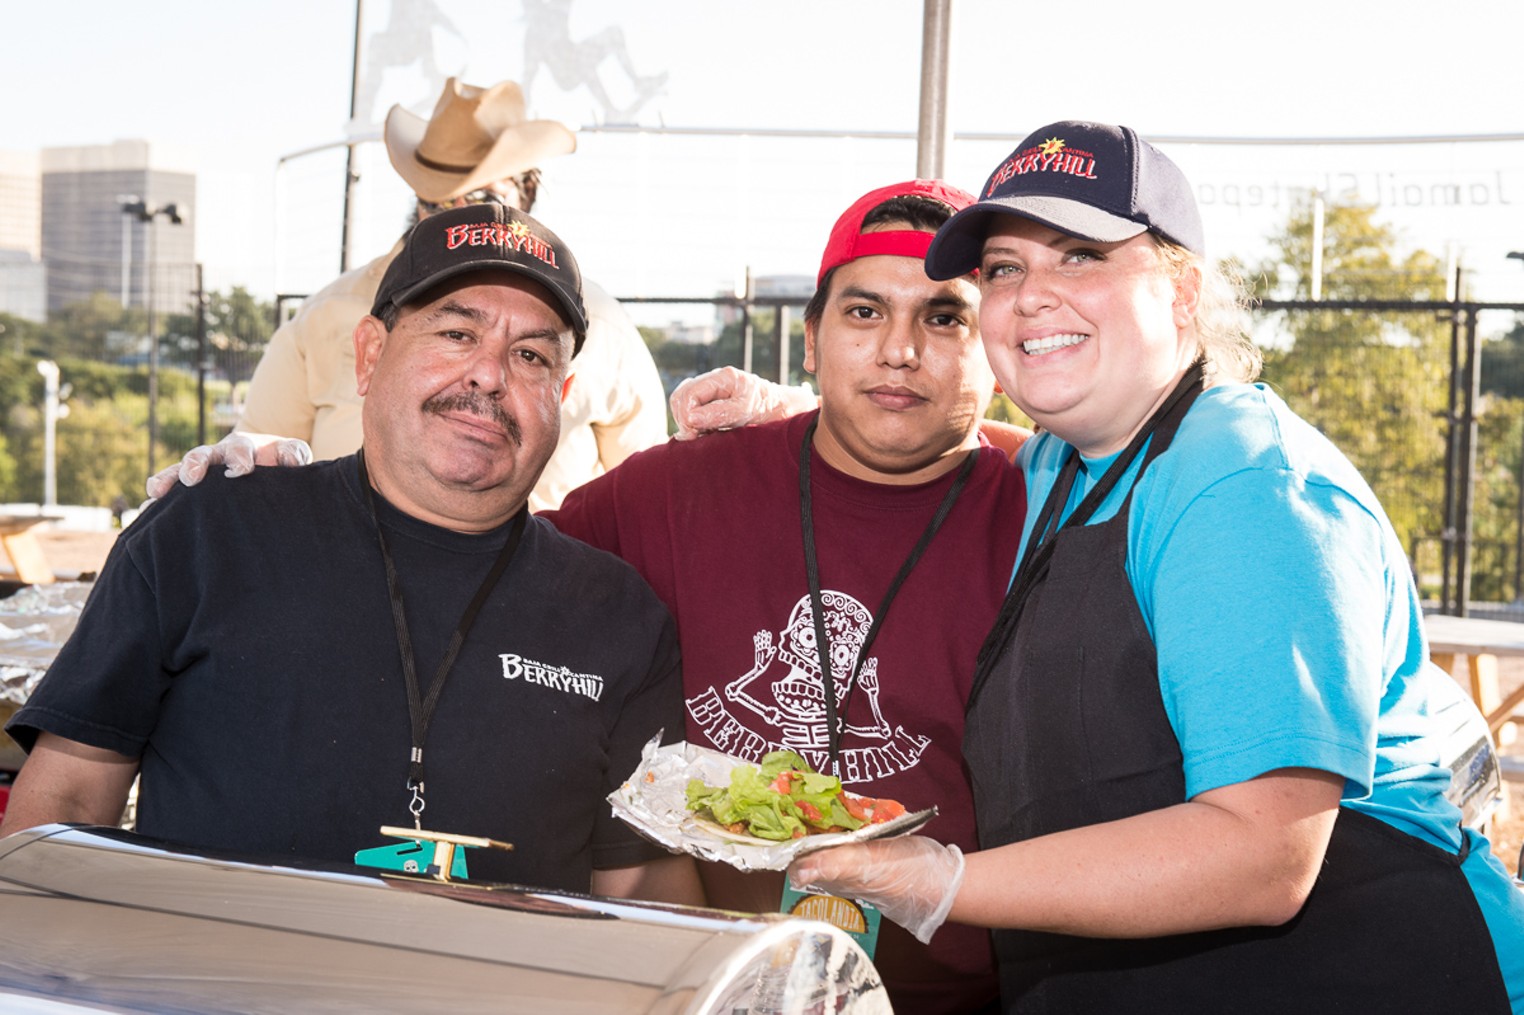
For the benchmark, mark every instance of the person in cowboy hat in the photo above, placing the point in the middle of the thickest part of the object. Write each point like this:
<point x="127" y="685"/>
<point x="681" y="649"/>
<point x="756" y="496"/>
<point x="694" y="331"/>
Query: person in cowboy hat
<point x="476" y="148"/>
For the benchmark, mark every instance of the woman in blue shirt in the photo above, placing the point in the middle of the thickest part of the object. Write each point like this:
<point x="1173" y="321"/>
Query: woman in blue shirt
<point x="1204" y="764"/>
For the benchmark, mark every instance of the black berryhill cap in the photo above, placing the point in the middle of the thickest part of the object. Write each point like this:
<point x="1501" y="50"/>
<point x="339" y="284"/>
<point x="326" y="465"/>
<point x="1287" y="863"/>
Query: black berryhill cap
<point x="1090" y="180"/>
<point x="478" y="236"/>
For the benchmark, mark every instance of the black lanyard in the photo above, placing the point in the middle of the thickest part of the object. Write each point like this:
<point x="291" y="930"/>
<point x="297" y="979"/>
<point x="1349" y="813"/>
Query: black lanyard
<point x="812" y="572"/>
<point x="1034" y="565"/>
<point x="421" y="711"/>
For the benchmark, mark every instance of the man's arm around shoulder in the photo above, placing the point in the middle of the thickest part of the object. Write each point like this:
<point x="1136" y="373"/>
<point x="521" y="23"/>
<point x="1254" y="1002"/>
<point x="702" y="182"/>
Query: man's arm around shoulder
<point x="64" y="780"/>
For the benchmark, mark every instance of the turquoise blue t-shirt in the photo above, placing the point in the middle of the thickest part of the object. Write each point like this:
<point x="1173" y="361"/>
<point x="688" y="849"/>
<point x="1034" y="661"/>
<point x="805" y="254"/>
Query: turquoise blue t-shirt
<point x="1288" y="628"/>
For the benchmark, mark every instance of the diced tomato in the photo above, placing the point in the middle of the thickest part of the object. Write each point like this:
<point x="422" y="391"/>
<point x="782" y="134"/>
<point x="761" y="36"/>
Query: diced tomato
<point x="781" y="783"/>
<point x="870" y="810"/>
<point x="809" y="810"/>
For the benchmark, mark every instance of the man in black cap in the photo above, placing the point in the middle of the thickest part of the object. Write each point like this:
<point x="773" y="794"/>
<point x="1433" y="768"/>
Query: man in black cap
<point x="387" y="638"/>
<point x="478" y="146"/>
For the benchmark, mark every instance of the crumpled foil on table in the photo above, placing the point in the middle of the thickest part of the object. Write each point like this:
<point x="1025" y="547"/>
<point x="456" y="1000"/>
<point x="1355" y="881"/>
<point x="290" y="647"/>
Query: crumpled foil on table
<point x="654" y="800"/>
<point x="34" y="623"/>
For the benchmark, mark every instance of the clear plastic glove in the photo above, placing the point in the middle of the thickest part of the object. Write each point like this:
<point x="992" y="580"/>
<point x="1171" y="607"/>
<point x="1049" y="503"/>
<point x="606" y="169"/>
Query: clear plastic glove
<point x="912" y="880"/>
<point x="238" y="452"/>
<point x="726" y="398"/>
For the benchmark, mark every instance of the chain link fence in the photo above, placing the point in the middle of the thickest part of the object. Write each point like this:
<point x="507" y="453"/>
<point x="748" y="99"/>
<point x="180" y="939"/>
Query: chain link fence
<point x="1396" y="385"/>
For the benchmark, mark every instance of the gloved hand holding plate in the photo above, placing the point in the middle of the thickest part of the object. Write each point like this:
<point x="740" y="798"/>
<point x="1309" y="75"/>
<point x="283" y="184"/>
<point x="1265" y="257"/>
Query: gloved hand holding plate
<point x="753" y="816"/>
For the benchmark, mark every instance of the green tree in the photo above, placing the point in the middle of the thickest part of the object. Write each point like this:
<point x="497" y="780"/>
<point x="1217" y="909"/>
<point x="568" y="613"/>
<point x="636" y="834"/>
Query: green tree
<point x="728" y="347"/>
<point x="100" y="453"/>
<point x="19" y="336"/>
<point x="674" y="360"/>
<point x="238" y="326"/>
<point x="1375" y="382"/>
<point x="1003" y="410"/>
<point x="1497" y="528"/>
<point x="1495" y="524"/>
<point x="97" y="328"/>
<point x="1503" y="363"/>
<point x="101" y="447"/>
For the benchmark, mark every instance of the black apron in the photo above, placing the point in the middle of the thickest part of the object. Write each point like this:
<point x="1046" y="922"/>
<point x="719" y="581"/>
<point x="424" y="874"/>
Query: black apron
<point x="1067" y="727"/>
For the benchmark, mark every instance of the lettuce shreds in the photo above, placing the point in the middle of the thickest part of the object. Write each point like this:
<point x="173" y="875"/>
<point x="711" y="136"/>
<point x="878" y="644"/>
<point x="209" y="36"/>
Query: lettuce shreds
<point x="754" y="801"/>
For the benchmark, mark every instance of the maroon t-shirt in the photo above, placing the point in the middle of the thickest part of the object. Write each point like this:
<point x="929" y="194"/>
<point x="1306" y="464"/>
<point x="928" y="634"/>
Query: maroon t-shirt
<point x="714" y="526"/>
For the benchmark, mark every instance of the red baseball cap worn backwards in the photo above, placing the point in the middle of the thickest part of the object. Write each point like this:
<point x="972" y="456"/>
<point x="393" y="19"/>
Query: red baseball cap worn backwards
<point x="848" y="242"/>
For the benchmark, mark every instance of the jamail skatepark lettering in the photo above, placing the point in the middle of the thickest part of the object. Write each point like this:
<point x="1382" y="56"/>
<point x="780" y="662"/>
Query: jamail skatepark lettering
<point x="1384" y="190"/>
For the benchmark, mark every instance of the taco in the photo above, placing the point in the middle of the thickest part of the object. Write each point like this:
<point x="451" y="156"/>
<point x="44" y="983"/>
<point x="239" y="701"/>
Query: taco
<point x="784" y="798"/>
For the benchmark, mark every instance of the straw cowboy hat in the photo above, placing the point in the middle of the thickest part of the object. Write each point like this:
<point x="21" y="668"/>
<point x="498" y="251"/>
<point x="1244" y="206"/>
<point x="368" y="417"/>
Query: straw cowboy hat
<point x="476" y="136"/>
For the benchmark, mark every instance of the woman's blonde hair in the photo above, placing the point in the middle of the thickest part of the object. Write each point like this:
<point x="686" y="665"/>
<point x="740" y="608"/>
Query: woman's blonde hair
<point x="1222" y="315"/>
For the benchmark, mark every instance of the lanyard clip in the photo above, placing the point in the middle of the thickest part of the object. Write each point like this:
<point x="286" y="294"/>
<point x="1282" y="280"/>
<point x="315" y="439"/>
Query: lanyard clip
<point x="415" y="805"/>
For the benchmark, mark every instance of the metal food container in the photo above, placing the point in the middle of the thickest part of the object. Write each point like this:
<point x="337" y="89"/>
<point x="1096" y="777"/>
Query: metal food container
<point x="35" y="621"/>
<point x="1466" y="748"/>
<point x="98" y="919"/>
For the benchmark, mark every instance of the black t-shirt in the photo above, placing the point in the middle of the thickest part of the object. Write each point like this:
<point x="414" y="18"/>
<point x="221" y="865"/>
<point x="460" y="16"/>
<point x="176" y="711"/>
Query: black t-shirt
<point x="240" y="640"/>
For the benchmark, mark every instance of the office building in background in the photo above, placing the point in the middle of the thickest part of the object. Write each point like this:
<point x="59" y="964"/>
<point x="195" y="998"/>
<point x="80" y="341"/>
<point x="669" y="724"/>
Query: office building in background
<point x="90" y="244"/>
<point x="22" y="287"/>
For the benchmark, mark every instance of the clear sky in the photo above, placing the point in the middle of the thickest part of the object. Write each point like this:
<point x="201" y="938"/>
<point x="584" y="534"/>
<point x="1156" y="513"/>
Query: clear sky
<point x="228" y="89"/>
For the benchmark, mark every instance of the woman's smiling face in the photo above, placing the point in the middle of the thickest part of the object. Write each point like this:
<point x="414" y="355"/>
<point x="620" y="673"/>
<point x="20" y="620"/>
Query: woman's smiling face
<point x="1087" y="338"/>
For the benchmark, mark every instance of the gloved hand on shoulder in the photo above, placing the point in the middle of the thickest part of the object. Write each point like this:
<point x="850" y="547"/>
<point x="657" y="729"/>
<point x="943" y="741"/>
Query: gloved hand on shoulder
<point x="726" y="398"/>
<point x="239" y="452"/>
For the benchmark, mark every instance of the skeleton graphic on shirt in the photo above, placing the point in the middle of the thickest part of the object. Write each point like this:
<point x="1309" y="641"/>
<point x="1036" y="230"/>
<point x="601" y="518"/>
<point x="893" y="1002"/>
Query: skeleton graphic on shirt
<point x="785" y="691"/>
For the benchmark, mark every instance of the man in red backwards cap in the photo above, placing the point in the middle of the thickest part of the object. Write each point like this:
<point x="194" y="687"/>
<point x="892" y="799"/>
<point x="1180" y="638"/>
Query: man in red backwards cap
<point x="894" y="487"/>
<point x="914" y="520"/>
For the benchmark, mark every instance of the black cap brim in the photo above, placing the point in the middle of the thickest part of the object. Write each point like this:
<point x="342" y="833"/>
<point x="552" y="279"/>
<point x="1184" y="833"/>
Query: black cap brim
<point x="958" y="246"/>
<point x="573" y="313"/>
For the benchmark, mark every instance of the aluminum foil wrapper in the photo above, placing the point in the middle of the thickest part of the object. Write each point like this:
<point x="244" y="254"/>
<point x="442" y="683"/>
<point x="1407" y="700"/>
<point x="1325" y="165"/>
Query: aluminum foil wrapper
<point x="34" y="624"/>
<point x="654" y="800"/>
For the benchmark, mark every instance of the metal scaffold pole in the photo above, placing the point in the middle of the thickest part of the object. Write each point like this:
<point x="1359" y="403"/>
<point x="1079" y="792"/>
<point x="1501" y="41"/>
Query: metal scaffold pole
<point x="934" y="133"/>
<point x="350" y="176"/>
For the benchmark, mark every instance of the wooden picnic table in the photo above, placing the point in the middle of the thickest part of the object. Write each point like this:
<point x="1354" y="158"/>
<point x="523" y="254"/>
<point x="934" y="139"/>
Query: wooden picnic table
<point x="18" y="538"/>
<point x="1482" y="642"/>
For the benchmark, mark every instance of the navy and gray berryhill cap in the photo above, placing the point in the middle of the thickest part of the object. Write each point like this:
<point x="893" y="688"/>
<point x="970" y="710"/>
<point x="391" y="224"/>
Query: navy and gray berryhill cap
<point x="477" y="237"/>
<point x="1090" y="180"/>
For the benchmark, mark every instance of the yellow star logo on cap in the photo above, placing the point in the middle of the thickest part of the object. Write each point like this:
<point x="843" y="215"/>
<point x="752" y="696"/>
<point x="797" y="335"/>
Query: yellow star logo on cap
<point x="518" y="229"/>
<point x="1052" y="145"/>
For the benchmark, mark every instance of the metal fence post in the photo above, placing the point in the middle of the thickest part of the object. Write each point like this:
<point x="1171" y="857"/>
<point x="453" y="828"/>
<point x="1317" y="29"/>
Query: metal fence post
<point x="1452" y="454"/>
<point x="1518" y="539"/>
<point x="783" y="351"/>
<point x="201" y="363"/>
<point x="153" y="358"/>
<point x="1467" y="464"/>
<point x="746" y="324"/>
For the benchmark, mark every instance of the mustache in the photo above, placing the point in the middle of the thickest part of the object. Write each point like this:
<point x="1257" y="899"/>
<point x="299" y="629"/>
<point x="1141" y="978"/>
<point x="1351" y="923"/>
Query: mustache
<point x="477" y="404"/>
